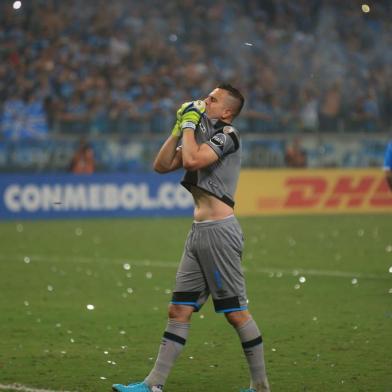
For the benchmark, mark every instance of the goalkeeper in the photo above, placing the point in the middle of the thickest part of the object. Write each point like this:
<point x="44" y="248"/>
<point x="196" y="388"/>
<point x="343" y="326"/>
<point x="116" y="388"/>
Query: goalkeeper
<point x="211" y="263"/>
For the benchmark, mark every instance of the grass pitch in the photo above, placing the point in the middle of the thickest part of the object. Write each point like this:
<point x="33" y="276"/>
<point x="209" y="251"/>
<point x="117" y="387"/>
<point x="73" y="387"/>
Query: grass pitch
<point x="319" y="288"/>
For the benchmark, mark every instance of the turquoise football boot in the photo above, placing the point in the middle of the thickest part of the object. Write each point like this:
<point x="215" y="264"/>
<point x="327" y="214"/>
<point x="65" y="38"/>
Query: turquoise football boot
<point x="138" y="387"/>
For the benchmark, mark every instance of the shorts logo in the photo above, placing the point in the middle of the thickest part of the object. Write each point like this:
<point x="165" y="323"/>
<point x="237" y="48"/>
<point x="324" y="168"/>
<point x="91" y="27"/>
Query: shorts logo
<point x="219" y="140"/>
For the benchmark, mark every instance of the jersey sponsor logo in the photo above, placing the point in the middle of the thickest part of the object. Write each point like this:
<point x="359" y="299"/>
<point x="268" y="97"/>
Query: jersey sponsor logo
<point x="228" y="129"/>
<point x="219" y="140"/>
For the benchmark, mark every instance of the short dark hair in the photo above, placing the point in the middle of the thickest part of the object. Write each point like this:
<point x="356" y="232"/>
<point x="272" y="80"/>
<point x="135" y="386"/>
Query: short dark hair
<point x="235" y="93"/>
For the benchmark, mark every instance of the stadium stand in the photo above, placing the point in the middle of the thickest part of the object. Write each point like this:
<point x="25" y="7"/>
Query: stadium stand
<point x="115" y="72"/>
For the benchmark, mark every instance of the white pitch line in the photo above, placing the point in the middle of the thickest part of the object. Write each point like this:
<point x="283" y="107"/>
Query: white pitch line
<point x="169" y="264"/>
<point x="24" y="388"/>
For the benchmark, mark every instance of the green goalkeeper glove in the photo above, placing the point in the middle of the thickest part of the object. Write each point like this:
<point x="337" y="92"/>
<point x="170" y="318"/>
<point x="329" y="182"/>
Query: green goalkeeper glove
<point x="191" y="115"/>
<point x="176" y="131"/>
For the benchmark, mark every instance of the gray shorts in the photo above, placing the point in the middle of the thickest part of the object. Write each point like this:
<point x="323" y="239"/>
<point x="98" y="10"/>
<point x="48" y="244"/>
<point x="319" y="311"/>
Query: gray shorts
<point x="211" y="264"/>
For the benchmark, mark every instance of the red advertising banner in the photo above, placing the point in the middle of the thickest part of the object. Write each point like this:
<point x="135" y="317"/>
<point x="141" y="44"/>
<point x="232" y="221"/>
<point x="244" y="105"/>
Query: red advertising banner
<point x="270" y="192"/>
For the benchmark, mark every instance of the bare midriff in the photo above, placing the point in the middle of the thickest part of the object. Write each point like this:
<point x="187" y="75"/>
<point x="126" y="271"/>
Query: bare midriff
<point x="208" y="207"/>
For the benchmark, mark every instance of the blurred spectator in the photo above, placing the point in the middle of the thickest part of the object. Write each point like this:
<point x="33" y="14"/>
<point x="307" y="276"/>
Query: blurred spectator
<point x="371" y="111"/>
<point x="365" y="115"/>
<point x="99" y="115"/>
<point x="386" y="105"/>
<point x="83" y="161"/>
<point x="74" y="115"/>
<point x="24" y="117"/>
<point x="264" y="113"/>
<point x="309" y="117"/>
<point x="295" y="155"/>
<point x="330" y="108"/>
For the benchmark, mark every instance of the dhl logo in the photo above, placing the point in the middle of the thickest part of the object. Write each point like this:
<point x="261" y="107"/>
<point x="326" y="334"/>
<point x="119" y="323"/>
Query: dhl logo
<point x="349" y="192"/>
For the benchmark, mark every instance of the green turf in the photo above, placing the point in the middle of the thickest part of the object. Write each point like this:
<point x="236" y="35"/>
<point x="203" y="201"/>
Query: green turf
<point x="327" y="335"/>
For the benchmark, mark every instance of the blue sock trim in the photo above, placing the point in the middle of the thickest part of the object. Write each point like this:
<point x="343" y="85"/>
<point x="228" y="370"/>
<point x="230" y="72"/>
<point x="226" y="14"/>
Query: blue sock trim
<point x="232" y="310"/>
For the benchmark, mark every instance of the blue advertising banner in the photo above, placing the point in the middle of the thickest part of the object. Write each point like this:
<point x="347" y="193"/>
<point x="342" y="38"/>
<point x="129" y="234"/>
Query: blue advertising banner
<point x="98" y="195"/>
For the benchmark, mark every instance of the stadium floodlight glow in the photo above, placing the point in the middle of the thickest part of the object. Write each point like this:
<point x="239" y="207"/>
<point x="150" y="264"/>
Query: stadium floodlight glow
<point x="365" y="8"/>
<point x="16" y="5"/>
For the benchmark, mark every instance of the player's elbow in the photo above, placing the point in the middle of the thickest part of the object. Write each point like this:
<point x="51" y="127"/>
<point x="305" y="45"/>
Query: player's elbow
<point x="190" y="164"/>
<point x="159" y="168"/>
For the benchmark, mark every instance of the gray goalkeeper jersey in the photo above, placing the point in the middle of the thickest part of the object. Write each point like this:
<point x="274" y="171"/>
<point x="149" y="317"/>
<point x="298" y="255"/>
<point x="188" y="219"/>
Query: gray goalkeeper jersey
<point x="220" y="178"/>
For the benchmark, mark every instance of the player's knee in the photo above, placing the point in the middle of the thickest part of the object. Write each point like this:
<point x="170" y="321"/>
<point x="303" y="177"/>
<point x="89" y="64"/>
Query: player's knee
<point x="237" y="319"/>
<point x="180" y="313"/>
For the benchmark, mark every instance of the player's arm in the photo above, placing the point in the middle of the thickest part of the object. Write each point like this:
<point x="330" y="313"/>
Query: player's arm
<point x="196" y="156"/>
<point x="169" y="157"/>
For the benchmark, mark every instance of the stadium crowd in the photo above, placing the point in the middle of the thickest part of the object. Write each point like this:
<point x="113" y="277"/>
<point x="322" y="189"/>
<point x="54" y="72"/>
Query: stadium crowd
<point x="86" y="67"/>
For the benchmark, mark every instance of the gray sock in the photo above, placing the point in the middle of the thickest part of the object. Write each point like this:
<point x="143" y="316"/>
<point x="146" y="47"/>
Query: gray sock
<point x="252" y="345"/>
<point x="172" y="343"/>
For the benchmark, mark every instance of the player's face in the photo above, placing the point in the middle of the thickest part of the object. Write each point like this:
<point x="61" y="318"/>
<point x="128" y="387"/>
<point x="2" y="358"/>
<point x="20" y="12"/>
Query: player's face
<point x="217" y="105"/>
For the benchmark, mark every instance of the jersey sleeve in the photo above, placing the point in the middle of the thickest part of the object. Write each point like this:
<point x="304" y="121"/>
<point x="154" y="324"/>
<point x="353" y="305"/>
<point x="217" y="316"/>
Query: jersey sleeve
<point x="388" y="157"/>
<point x="225" y="142"/>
